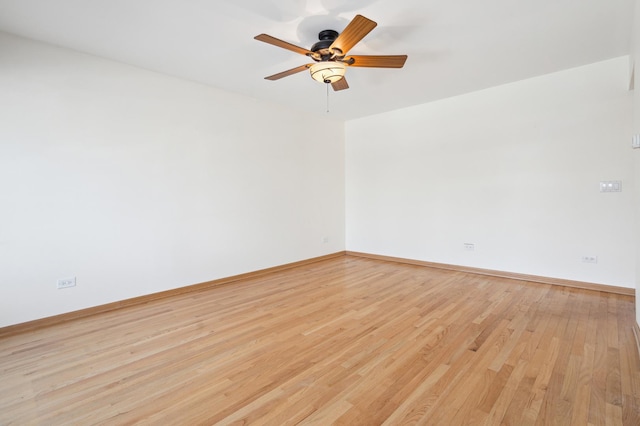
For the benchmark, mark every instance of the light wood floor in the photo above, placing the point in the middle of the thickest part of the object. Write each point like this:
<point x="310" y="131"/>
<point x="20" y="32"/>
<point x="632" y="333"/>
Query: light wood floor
<point x="343" y="341"/>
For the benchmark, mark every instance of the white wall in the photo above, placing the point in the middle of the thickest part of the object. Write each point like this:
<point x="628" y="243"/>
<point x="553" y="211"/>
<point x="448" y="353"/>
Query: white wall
<point x="635" y="66"/>
<point x="513" y="169"/>
<point x="136" y="182"/>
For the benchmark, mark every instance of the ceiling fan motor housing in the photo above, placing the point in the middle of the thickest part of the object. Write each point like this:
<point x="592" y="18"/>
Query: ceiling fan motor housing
<point x="326" y="37"/>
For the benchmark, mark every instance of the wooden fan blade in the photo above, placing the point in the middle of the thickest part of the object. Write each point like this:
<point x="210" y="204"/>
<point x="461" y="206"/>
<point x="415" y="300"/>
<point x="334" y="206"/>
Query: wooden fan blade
<point x="288" y="72"/>
<point x="340" y="84"/>
<point x="353" y="33"/>
<point x="281" y="43"/>
<point x="376" y="61"/>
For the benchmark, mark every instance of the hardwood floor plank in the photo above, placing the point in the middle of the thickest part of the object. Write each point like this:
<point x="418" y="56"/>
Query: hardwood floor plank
<point x="503" y="401"/>
<point x="597" y="403"/>
<point x="345" y="340"/>
<point x="404" y="412"/>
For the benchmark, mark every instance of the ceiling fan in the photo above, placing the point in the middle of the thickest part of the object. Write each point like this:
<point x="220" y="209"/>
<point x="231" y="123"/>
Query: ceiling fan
<point x="330" y="54"/>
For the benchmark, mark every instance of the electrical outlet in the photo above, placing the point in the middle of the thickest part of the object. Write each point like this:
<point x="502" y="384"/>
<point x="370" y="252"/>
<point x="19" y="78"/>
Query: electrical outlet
<point x="469" y="246"/>
<point x="66" y="282"/>
<point x="589" y="259"/>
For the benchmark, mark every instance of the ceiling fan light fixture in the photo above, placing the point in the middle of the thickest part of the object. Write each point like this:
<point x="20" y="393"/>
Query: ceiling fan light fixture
<point x="328" y="71"/>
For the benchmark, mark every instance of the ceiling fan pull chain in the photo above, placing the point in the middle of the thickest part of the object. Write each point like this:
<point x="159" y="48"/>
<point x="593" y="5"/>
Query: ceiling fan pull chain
<point x="327" y="84"/>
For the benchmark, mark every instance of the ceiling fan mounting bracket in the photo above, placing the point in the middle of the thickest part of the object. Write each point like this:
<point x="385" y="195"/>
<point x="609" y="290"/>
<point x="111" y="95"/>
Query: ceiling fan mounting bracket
<point x="328" y="35"/>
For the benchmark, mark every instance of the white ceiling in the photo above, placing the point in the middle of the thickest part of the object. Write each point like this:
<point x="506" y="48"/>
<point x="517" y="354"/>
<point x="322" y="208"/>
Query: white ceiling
<point x="454" y="46"/>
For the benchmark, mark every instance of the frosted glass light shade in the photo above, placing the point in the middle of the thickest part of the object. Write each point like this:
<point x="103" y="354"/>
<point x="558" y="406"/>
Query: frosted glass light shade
<point x="328" y="72"/>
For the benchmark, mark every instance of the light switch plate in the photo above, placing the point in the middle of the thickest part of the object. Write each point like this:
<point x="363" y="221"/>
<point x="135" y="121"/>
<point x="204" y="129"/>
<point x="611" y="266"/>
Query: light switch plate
<point x="611" y="186"/>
